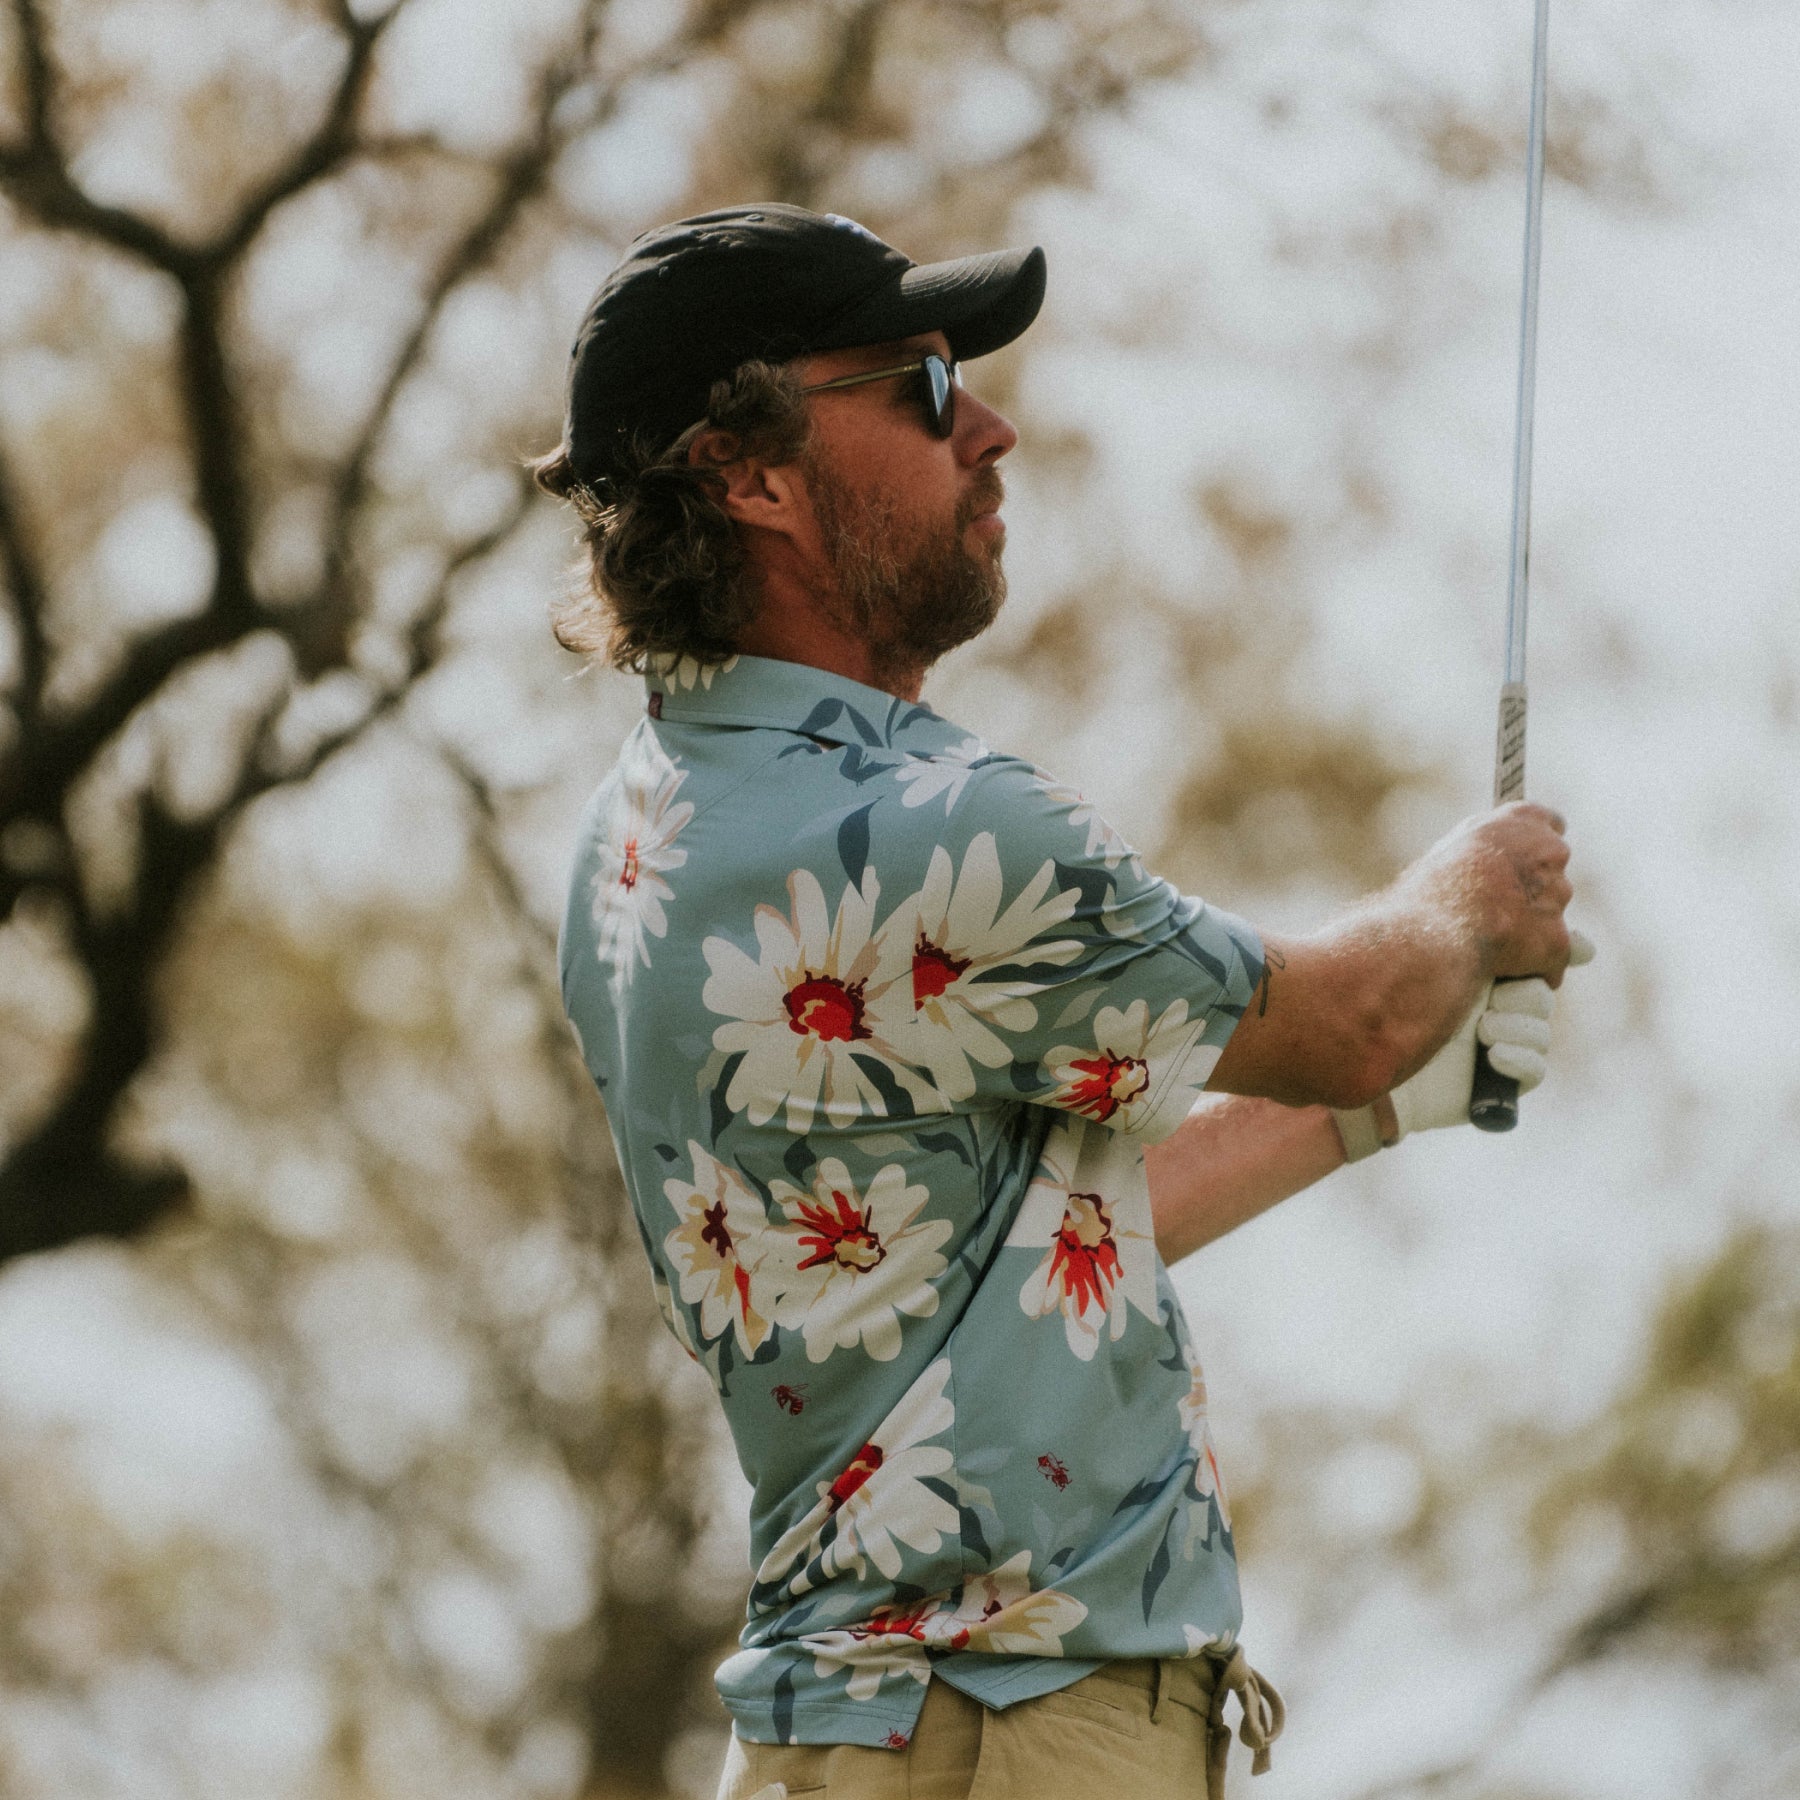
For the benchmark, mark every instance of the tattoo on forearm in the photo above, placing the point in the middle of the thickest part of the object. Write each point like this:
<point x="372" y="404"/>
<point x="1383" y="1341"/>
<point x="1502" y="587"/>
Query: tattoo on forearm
<point x="1272" y="960"/>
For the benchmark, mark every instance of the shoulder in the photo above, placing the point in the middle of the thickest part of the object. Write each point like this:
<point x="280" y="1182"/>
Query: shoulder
<point x="1041" y="815"/>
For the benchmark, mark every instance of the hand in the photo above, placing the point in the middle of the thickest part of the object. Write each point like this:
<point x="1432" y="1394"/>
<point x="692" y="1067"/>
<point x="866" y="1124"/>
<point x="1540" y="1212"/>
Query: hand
<point x="1513" y="1020"/>
<point x="1503" y="872"/>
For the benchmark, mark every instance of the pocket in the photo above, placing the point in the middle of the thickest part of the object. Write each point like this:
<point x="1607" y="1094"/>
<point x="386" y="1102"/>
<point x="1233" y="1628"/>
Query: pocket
<point x="1080" y="1705"/>
<point x="756" y="1772"/>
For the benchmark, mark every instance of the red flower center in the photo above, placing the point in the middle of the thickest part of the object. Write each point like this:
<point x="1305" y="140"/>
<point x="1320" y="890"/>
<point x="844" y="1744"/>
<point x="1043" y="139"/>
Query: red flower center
<point x="827" y="1008"/>
<point x="715" y="1231"/>
<point x="1107" y="1083"/>
<point x="1085" y="1259"/>
<point x="716" y="1235"/>
<point x="933" y="970"/>
<point x="842" y="1235"/>
<point x="862" y="1465"/>
<point x="628" y="874"/>
<point x="896" y="1621"/>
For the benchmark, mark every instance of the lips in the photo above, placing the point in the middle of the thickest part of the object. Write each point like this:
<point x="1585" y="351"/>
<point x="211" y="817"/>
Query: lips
<point x="984" y="499"/>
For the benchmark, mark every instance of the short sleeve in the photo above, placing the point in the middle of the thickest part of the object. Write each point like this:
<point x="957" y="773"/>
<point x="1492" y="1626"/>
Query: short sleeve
<point x="1117" y="993"/>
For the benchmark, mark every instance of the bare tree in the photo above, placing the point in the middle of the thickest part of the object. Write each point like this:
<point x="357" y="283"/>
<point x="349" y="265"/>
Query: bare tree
<point x="342" y="546"/>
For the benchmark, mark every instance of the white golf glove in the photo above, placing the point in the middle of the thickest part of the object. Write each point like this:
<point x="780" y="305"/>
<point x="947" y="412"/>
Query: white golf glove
<point x="1512" y="1019"/>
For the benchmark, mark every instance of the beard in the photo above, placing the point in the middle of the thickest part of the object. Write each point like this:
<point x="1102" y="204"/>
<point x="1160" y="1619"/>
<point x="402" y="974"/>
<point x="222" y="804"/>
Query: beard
<point x="908" y="590"/>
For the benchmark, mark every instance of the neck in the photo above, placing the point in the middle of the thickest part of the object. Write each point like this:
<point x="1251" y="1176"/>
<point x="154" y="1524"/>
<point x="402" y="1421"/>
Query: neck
<point x="791" y="625"/>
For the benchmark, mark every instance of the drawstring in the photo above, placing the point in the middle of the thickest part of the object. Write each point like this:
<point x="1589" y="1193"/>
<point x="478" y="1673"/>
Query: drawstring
<point x="1264" y="1716"/>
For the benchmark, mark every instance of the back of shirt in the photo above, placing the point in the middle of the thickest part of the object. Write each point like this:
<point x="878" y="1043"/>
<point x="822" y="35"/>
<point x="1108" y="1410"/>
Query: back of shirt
<point x="883" y="1021"/>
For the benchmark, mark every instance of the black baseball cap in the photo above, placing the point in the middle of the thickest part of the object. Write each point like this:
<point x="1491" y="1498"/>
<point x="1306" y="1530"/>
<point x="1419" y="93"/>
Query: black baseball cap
<point x="766" y="282"/>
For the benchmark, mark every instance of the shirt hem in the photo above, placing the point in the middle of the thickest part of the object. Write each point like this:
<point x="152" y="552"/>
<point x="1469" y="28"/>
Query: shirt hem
<point x="861" y="1722"/>
<point x="1000" y="1687"/>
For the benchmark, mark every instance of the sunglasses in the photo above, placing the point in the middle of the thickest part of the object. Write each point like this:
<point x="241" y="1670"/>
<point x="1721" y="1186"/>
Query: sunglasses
<point x="942" y="379"/>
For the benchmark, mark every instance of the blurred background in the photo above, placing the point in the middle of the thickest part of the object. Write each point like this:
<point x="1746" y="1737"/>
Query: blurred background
<point x="342" y="1453"/>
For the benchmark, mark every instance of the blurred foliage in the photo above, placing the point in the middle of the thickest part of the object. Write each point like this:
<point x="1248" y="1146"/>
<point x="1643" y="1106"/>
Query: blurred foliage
<point x="1695" y="1472"/>
<point x="1664" y="1535"/>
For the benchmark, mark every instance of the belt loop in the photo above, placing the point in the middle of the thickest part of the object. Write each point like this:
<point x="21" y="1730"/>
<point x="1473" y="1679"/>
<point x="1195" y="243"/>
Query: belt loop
<point x="1158" y="1677"/>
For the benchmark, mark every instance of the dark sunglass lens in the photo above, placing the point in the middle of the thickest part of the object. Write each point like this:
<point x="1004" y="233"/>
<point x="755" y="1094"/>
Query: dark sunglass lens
<point x="943" y="396"/>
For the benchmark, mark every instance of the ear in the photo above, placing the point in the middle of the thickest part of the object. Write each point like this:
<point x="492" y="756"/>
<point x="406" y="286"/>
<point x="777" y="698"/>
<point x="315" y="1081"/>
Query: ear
<point x="756" y="493"/>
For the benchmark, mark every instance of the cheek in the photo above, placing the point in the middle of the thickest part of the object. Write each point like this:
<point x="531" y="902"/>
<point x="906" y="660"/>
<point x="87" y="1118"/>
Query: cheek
<point x="895" y="462"/>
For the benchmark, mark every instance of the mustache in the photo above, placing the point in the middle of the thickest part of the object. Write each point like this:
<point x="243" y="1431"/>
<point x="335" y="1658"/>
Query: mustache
<point x="986" y="492"/>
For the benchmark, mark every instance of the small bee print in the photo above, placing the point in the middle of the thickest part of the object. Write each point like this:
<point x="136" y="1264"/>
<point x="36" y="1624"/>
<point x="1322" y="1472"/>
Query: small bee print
<point x="1053" y="1471"/>
<point x="790" y="1399"/>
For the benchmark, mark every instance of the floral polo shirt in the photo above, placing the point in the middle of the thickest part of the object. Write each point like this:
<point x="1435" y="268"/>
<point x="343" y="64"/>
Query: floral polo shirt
<point x="883" y="1020"/>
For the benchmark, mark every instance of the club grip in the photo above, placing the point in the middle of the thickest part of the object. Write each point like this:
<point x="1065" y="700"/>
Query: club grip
<point x="1494" y="1099"/>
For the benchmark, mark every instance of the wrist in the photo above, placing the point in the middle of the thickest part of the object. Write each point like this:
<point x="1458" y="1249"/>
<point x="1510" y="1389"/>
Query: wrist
<point x="1366" y="1129"/>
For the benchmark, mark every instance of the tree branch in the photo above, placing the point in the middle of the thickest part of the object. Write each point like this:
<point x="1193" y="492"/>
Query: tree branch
<point x="522" y="173"/>
<point x="35" y="173"/>
<point x="35" y="67"/>
<point x="332" y="143"/>
<point x="35" y="782"/>
<point x="64" y="1181"/>
<point x="28" y="595"/>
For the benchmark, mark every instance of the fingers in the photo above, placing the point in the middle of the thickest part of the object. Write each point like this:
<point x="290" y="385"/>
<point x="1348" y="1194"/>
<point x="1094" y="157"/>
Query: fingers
<point x="1516" y="1029"/>
<point x="1515" y="1022"/>
<point x="1531" y="810"/>
<point x="1525" y="1066"/>
<point x="1529" y="995"/>
<point x="1519" y="1031"/>
<point x="1580" y="952"/>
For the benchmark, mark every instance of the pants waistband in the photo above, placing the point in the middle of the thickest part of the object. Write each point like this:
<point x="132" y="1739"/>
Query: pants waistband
<point x="1203" y="1682"/>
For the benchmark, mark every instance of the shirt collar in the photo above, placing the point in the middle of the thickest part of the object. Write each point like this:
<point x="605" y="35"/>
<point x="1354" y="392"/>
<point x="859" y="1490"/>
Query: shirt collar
<point x="790" y="696"/>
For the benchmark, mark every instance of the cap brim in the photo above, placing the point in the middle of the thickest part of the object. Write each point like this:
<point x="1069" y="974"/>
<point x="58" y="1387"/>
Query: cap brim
<point x="978" y="302"/>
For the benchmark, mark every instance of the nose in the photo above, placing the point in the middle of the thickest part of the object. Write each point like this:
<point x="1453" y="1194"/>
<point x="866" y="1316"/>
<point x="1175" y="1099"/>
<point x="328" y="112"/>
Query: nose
<point x="982" y="434"/>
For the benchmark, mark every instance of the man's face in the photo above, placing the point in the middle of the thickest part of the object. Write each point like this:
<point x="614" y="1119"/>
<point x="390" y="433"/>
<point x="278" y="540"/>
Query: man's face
<point x="908" y="523"/>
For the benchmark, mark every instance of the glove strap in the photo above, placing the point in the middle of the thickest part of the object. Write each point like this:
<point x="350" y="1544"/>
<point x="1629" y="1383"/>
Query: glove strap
<point x="1358" y="1130"/>
<point x="1366" y="1129"/>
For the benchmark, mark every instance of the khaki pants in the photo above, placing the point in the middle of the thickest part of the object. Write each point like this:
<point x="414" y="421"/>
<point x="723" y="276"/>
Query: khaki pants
<point x="1148" y="1730"/>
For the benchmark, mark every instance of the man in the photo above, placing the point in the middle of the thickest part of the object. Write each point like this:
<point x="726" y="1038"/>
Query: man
<point x="918" y="1079"/>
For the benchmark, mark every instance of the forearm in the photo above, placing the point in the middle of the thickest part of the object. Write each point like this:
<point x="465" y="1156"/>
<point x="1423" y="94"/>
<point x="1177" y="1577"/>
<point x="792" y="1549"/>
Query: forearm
<point x="1399" y="976"/>
<point x="1350" y="1012"/>
<point x="1235" y="1157"/>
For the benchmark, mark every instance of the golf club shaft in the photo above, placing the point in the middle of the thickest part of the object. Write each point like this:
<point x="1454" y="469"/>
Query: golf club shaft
<point x="1494" y="1102"/>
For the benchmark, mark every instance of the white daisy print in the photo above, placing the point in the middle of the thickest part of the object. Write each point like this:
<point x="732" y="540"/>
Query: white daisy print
<point x="943" y="772"/>
<point x="999" y="1612"/>
<point x="849" y="1264"/>
<point x="637" y="850"/>
<point x="952" y="934"/>
<point x="807" y="1013"/>
<point x="718" y="1251"/>
<point x="683" y="672"/>
<point x="871" y="1653"/>
<point x="1002" y="1613"/>
<point x="1206" y="1478"/>
<point x="1198" y="1643"/>
<point x="878" y="1501"/>
<point x="1111" y="1081"/>
<point x="1088" y="1210"/>
<point x="1100" y="838"/>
